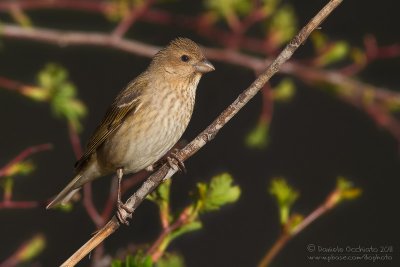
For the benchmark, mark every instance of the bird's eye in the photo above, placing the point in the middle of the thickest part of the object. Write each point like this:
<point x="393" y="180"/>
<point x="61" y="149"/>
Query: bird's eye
<point x="185" y="58"/>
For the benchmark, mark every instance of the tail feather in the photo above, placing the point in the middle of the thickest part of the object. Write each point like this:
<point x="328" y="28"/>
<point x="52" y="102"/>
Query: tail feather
<point x="66" y="194"/>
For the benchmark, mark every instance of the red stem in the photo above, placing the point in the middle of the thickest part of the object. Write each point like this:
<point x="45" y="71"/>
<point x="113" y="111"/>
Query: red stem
<point x="75" y="141"/>
<point x="286" y="235"/>
<point x="89" y="206"/>
<point x="23" y="155"/>
<point x="154" y="251"/>
<point x="128" y="21"/>
<point x="267" y="104"/>
<point x="372" y="52"/>
<point x="91" y="6"/>
<point x="11" y="84"/>
<point x="87" y="188"/>
<point x="274" y="250"/>
<point x="112" y="199"/>
<point x="19" y="204"/>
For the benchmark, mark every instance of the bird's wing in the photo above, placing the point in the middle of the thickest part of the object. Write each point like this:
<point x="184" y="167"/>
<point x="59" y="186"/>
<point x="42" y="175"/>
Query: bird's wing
<point x="126" y="102"/>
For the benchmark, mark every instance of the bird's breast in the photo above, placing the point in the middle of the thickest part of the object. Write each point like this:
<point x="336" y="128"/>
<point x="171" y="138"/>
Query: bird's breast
<point x="150" y="132"/>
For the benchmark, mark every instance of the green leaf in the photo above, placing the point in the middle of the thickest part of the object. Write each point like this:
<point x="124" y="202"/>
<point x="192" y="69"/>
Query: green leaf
<point x="186" y="228"/>
<point x="218" y="192"/>
<point x="294" y="221"/>
<point x="61" y="93"/>
<point x="171" y="260"/>
<point x="284" y="91"/>
<point x="319" y="40"/>
<point x="226" y="8"/>
<point x="336" y="52"/>
<point x="285" y="196"/>
<point x="36" y="93"/>
<point x="161" y="194"/>
<point x="138" y="260"/>
<point x="358" y="56"/>
<point x="282" y="26"/>
<point x="258" y="136"/>
<point x="32" y="248"/>
<point x="119" y="9"/>
<point x="7" y="184"/>
<point x="20" y="168"/>
<point x="65" y="207"/>
<point x="269" y="6"/>
<point x="347" y="189"/>
<point x="21" y="17"/>
<point x="116" y="263"/>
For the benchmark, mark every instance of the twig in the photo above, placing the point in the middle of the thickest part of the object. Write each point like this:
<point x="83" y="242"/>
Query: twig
<point x="274" y="250"/>
<point x="156" y="251"/>
<point x="75" y="141"/>
<point x="11" y="85"/>
<point x="28" y="249"/>
<point x="207" y="135"/>
<point x="307" y="74"/>
<point x="89" y="206"/>
<point x="129" y="20"/>
<point x="23" y="155"/>
<point x="77" y="38"/>
<point x="92" y="6"/>
<point x="267" y="104"/>
<point x="372" y="52"/>
<point x="287" y="235"/>
<point x="87" y="188"/>
<point x="19" y="204"/>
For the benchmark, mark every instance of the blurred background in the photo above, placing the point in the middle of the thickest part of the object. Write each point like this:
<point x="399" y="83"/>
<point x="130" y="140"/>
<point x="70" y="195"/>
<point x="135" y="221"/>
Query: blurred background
<point x="307" y="130"/>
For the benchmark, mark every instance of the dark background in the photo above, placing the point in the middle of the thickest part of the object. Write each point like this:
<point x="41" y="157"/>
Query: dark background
<point x="314" y="138"/>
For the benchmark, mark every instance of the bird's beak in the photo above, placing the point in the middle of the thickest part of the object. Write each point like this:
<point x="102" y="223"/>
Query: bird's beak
<point x="204" y="66"/>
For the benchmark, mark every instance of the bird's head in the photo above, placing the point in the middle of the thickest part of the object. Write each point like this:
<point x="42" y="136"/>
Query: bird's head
<point x="182" y="58"/>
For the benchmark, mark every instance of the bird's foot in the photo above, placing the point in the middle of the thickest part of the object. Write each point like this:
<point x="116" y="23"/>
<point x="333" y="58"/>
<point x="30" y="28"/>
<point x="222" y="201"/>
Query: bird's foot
<point x="123" y="213"/>
<point x="175" y="162"/>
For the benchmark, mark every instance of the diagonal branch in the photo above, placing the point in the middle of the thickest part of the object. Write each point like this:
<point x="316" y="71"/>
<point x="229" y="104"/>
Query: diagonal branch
<point x="207" y="135"/>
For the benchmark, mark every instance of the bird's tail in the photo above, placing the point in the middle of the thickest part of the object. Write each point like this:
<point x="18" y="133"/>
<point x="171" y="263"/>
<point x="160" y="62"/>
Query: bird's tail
<point x="66" y="194"/>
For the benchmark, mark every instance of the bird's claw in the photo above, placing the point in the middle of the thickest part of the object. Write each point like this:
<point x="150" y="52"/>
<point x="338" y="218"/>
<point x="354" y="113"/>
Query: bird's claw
<point x="123" y="213"/>
<point x="175" y="162"/>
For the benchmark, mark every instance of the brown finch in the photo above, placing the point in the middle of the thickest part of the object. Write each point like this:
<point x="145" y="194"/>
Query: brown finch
<point x="146" y="119"/>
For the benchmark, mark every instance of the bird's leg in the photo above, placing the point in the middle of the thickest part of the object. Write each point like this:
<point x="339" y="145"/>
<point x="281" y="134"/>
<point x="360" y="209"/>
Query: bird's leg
<point x="123" y="212"/>
<point x="175" y="162"/>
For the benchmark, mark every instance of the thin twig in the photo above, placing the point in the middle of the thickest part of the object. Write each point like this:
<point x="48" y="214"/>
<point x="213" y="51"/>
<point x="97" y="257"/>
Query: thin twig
<point x="11" y="85"/>
<point x="286" y="236"/>
<point x="23" y="155"/>
<point x="19" y="256"/>
<point x="207" y="135"/>
<point x="92" y="6"/>
<point x="129" y="20"/>
<point x="274" y="250"/>
<point x="305" y="73"/>
<point x="19" y="204"/>
<point x="89" y="206"/>
<point x="75" y="141"/>
<point x="87" y="188"/>
<point x="155" y="251"/>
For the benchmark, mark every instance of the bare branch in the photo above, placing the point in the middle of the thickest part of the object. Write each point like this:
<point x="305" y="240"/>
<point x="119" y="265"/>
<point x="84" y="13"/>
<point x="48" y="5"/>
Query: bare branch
<point x="204" y="137"/>
<point x="19" y="204"/>
<point x="92" y="6"/>
<point x="305" y="73"/>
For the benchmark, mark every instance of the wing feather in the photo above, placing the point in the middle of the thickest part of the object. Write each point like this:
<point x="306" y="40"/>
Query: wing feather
<point x="126" y="102"/>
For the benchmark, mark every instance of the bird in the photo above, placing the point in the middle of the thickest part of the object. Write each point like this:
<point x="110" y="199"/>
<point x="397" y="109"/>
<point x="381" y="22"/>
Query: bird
<point x="146" y="119"/>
